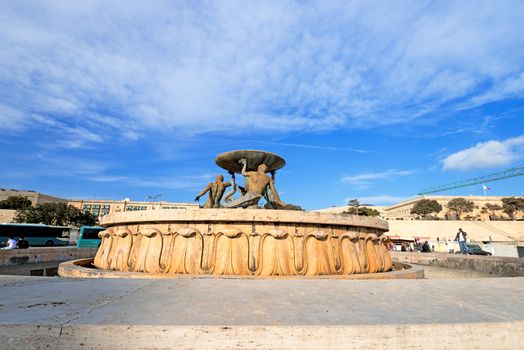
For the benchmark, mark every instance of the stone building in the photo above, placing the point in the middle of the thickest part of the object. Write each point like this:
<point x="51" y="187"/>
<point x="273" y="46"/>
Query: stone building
<point x="405" y="226"/>
<point x="101" y="207"/>
<point x="402" y="210"/>
<point x="34" y="197"/>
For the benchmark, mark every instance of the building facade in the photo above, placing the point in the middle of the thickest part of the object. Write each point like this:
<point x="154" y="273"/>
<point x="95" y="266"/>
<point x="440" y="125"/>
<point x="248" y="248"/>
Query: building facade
<point x="101" y="207"/>
<point x="34" y="197"/>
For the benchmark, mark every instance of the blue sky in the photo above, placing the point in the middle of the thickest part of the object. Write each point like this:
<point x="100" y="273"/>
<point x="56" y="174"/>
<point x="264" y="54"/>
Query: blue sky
<point x="364" y="99"/>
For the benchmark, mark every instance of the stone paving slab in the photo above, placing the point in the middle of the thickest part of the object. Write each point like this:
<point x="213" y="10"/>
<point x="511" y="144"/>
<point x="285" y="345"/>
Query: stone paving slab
<point x="258" y="302"/>
<point x="194" y="312"/>
<point x="499" y="336"/>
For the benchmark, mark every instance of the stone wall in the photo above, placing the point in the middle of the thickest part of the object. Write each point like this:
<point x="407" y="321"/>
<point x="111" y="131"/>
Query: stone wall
<point x="243" y="242"/>
<point x="7" y="215"/>
<point x="34" y="197"/>
<point x="10" y="257"/>
<point x="499" y="266"/>
<point x="444" y="229"/>
<point x="403" y="209"/>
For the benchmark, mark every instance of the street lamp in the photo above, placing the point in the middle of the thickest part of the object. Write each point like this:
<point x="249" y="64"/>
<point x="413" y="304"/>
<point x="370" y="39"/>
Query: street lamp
<point x="153" y="199"/>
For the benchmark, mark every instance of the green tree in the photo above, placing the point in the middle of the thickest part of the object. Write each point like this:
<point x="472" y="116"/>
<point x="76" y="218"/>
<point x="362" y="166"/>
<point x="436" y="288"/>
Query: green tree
<point x="492" y="209"/>
<point x="59" y="214"/>
<point x="293" y="207"/>
<point x="15" y="202"/>
<point x="512" y="205"/>
<point x="425" y="207"/>
<point x="362" y="211"/>
<point x="355" y="204"/>
<point x="460" y="205"/>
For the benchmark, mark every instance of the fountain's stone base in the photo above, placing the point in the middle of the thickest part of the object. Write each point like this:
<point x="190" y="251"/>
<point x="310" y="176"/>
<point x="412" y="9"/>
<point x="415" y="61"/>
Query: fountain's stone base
<point x="243" y="242"/>
<point x="84" y="268"/>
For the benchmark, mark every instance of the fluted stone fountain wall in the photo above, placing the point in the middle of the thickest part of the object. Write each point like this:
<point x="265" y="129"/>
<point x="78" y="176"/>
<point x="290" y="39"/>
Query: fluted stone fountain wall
<point x="243" y="242"/>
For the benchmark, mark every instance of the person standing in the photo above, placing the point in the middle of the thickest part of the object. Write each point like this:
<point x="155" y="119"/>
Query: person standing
<point x="11" y="243"/>
<point x="461" y="237"/>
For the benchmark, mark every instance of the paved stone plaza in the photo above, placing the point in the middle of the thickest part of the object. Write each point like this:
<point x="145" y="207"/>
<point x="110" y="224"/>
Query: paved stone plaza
<point x="63" y="313"/>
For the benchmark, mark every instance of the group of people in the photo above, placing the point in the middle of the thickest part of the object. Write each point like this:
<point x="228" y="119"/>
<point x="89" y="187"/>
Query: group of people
<point x="12" y="243"/>
<point x="460" y="237"/>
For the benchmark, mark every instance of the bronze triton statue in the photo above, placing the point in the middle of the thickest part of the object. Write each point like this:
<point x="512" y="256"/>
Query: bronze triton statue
<point x="216" y="191"/>
<point x="257" y="185"/>
<point x="254" y="166"/>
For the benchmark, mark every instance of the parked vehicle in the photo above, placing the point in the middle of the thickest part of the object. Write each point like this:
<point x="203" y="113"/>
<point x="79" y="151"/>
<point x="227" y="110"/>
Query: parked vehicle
<point x="36" y="234"/>
<point x="475" y="249"/>
<point x="88" y="237"/>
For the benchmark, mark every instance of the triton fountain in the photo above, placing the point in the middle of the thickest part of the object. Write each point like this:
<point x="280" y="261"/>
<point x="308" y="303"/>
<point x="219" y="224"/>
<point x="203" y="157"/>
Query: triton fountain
<point x="231" y="236"/>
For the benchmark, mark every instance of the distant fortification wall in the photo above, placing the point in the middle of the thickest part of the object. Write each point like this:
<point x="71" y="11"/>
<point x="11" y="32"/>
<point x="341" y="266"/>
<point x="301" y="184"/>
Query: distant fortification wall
<point x="7" y="215"/>
<point x="477" y="230"/>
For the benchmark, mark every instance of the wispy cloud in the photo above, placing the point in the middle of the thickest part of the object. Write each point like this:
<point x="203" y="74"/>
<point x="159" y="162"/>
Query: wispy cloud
<point x="319" y="147"/>
<point x="489" y="154"/>
<point x="379" y="199"/>
<point x="238" y="67"/>
<point x="51" y="165"/>
<point x="362" y="181"/>
<point x="59" y="134"/>
<point x="512" y="86"/>
<point x="174" y="182"/>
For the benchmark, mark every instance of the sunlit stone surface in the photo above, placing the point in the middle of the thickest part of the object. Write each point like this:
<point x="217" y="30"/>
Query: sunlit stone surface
<point x="243" y="242"/>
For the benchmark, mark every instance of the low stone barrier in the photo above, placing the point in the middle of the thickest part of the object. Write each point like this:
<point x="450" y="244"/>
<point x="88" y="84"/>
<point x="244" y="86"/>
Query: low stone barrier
<point x="500" y="266"/>
<point x="83" y="268"/>
<point x="12" y="257"/>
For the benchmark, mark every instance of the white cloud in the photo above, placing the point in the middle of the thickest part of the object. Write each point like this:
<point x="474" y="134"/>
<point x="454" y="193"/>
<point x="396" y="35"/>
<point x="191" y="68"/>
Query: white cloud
<point x="512" y="86"/>
<point x="257" y="66"/>
<point x="320" y="147"/>
<point x="379" y="199"/>
<point x="161" y="182"/>
<point x="11" y="118"/>
<point x="362" y="181"/>
<point x="489" y="154"/>
<point x="52" y="165"/>
<point x="71" y="137"/>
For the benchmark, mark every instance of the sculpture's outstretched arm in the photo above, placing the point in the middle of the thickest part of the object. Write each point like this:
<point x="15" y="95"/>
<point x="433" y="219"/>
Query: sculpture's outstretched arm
<point x="203" y="192"/>
<point x="232" y="183"/>
<point x="246" y="176"/>
<point x="267" y="194"/>
<point x="244" y="167"/>
<point x="228" y="197"/>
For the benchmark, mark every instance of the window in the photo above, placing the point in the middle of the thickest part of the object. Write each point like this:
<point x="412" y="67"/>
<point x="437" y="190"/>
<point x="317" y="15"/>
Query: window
<point x="135" y="207"/>
<point x="105" y="209"/>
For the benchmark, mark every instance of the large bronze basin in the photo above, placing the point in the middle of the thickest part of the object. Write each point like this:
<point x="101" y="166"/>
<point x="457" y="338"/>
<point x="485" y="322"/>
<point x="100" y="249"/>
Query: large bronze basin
<point x="229" y="160"/>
